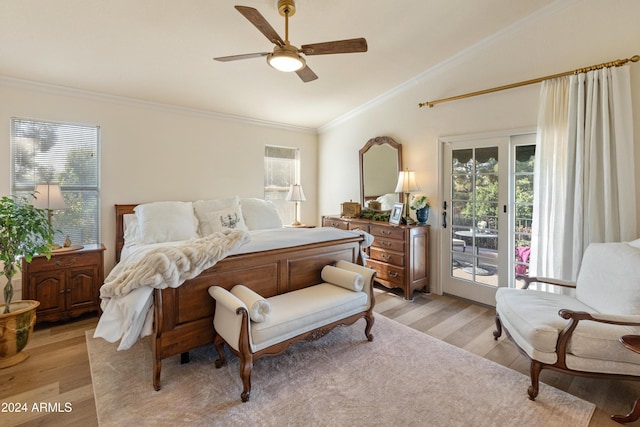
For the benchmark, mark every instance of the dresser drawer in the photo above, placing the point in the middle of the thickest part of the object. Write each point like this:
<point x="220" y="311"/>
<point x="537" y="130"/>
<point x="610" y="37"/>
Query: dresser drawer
<point x="70" y="260"/>
<point x="387" y="231"/>
<point x="359" y="226"/>
<point x="386" y="272"/>
<point x="388" y="244"/>
<point x="379" y="254"/>
<point x="336" y="223"/>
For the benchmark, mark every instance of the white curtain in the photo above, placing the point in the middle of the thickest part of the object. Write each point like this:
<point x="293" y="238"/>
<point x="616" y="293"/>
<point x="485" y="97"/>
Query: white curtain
<point x="584" y="177"/>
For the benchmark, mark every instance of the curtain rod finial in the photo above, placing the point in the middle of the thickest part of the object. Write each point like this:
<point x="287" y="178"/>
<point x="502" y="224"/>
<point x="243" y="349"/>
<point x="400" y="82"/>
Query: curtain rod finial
<point x="635" y="58"/>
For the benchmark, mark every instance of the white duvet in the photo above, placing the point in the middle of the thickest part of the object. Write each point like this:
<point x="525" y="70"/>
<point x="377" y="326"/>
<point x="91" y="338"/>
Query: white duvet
<point x="128" y="289"/>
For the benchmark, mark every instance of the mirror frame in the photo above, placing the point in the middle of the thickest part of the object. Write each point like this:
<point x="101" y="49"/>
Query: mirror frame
<point x="378" y="140"/>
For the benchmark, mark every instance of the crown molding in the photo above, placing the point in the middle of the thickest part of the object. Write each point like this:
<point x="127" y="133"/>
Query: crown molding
<point x="121" y="100"/>
<point x="459" y="57"/>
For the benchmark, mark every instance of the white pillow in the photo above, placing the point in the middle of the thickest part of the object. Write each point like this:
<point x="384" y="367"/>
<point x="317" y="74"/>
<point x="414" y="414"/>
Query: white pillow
<point x="203" y="207"/>
<point x="131" y="229"/>
<point x="224" y="219"/>
<point x="259" y="308"/>
<point x="343" y="278"/>
<point x="166" y="222"/>
<point x="260" y="214"/>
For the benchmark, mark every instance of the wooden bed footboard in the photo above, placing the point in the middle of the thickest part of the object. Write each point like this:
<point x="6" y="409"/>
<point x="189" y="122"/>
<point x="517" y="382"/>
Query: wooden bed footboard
<point x="184" y="315"/>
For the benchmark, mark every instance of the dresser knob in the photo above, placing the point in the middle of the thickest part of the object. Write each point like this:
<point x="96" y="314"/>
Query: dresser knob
<point x="393" y="274"/>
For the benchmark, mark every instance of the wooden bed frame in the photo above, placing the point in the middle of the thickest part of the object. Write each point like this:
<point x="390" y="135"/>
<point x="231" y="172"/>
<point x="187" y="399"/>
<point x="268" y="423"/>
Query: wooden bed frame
<point x="183" y="316"/>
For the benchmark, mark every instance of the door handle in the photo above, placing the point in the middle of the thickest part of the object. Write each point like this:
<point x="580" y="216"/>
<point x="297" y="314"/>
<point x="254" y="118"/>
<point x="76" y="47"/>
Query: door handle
<point x="444" y="220"/>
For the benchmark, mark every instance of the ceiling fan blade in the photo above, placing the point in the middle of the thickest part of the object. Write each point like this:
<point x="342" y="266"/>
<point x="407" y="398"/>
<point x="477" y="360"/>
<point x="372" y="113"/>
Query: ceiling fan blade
<point x="306" y="74"/>
<point x="237" y="57"/>
<point x="261" y="24"/>
<point x="338" y="46"/>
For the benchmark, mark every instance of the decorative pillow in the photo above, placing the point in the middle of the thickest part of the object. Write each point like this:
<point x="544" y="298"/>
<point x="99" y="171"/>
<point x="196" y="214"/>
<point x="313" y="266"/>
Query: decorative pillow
<point x="203" y="207"/>
<point x="259" y="308"/>
<point x="344" y="278"/>
<point x="166" y="222"/>
<point x="131" y="229"/>
<point x="230" y="218"/>
<point x="260" y="214"/>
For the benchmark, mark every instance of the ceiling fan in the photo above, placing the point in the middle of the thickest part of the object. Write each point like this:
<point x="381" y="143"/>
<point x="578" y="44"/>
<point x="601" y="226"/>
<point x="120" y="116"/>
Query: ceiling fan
<point x="285" y="56"/>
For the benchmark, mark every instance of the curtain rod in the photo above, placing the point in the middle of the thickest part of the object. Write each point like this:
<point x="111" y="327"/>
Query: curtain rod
<point x="615" y="63"/>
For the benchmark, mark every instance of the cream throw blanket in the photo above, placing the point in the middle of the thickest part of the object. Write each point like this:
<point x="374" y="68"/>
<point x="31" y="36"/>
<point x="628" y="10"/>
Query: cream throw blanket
<point x="169" y="266"/>
<point x="127" y="292"/>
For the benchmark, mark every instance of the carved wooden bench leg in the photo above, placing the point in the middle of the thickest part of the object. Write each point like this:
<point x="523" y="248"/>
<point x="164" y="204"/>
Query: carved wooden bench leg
<point x="218" y="342"/>
<point x="246" y="366"/>
<point x="535" y="369"/>
<point x="367" y="331"/>
<point x="498" y="332"/>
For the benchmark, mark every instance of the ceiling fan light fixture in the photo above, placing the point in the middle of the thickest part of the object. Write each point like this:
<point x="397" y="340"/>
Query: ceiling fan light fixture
<point x="286" y="58"/>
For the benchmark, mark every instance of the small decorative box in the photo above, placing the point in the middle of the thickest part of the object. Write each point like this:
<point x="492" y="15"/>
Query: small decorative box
<point x="350" y="210"/>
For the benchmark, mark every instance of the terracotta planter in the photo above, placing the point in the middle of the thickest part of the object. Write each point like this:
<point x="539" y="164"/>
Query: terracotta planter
<point x="15" y="330"/>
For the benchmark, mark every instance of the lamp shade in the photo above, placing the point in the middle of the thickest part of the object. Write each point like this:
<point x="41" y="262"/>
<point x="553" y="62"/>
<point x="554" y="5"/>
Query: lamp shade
<point x="296" y="194"/>
<point x="48" y="196"/>
<point x="406" y="182"/>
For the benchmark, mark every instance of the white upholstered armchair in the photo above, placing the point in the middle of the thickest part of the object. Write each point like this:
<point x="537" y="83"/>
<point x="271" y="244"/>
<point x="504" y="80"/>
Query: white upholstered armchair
<point x="579" y="334"/>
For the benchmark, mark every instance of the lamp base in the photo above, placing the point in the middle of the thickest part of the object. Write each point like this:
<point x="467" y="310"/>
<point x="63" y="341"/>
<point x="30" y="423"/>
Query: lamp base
<point x="295" y="223"/>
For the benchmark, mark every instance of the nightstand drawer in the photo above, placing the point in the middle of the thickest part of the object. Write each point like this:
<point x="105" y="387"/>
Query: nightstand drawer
<point x="67" y="260"/>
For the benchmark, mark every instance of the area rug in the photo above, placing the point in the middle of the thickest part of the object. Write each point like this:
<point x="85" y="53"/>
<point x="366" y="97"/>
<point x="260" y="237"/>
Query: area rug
<point x="402" y="378"/>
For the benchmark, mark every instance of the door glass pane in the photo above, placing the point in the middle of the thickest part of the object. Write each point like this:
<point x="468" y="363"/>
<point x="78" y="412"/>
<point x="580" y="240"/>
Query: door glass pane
<point x="474" y="215"/>
<point x="523" y="185"/>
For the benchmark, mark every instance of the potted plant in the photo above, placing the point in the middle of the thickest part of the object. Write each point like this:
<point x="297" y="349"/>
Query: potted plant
<point x="25" y="231"/>
<point x="420" y="204"/>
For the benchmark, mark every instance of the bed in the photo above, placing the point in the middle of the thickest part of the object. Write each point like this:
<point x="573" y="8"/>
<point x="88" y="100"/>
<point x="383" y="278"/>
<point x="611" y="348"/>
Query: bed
<point x="182" y="317"/>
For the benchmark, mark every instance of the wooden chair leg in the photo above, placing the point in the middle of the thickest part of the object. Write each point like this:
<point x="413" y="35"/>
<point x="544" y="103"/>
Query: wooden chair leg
<point x="535" y="369"/>
<point x="498" y="332"/>
<point x="632" y="416"/>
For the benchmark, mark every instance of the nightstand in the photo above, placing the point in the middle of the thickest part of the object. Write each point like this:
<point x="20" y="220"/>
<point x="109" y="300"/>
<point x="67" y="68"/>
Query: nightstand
<point x="66" y="285"/>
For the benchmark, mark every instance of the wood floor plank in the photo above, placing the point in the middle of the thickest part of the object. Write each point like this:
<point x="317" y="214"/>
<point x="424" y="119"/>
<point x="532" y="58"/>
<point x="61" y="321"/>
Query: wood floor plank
<point x="58" y="368"/>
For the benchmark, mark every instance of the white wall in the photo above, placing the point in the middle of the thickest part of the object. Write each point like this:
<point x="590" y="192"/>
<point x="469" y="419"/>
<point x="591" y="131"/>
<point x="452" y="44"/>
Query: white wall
<point x="567" y="35"/>
<point x="151" y="152"/>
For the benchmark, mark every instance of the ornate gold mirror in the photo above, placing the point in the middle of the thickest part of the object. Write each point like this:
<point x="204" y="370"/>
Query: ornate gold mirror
<point x="380" y="163"/>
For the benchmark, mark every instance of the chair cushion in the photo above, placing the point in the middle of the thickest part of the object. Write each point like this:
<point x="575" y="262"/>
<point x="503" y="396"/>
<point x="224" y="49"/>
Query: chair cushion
<point x="531" y="318"/>
<point x="294" y="313"/>
<point x="609" y="278"/>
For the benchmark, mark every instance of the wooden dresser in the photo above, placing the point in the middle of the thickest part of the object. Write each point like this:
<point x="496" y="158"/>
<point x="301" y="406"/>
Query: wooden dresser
<point x="67" y="284"/>
<point x="399" y="253"/>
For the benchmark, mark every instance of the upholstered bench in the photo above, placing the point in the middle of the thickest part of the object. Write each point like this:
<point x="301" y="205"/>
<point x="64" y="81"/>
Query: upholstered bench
<point x="253" y="326"/>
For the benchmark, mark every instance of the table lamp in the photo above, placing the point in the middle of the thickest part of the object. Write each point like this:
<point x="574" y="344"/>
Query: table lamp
<point x="406" y="184"/>
<point x="49" y="197"/>
<point x="296" y="194"/>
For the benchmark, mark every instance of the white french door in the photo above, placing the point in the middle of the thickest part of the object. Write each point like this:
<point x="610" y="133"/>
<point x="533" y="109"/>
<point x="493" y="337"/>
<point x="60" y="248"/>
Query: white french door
<point x="482" y="213"/>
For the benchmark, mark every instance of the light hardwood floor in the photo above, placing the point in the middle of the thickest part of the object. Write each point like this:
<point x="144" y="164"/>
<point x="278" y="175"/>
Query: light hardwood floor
<point x="58" y="371"/>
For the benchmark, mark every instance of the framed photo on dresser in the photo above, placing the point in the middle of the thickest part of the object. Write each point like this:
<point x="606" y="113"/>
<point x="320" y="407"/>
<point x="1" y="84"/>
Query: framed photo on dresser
<point x="396" y="213"/>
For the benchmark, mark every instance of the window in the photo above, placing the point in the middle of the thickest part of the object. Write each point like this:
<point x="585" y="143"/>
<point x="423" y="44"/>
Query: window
<point x="65" y="154"/>
<point x="281" y="170"/>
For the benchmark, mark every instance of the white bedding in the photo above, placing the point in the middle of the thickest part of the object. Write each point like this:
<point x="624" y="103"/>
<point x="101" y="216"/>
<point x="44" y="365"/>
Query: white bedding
<point x="127" y="302"/>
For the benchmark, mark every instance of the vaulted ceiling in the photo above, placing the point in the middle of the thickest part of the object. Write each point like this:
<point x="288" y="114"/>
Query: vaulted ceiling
<point x="162" y="50"/>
